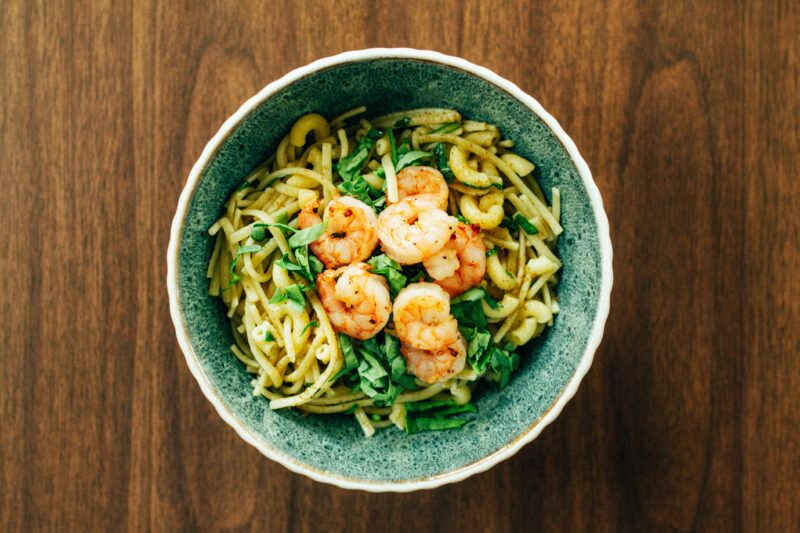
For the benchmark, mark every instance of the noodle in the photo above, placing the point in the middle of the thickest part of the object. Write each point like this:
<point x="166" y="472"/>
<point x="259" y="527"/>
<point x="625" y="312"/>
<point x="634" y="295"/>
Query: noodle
<point x="282" y="332"/>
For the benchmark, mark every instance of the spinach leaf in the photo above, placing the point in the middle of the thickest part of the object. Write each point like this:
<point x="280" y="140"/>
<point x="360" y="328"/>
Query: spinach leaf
<point x="503" y="362"/>
<point x="247" y="249"/>
<point x="391" y="270"/>
<point x="416" y="425"/>
<point x="312" y="324"/>
<point x="376" y="367"/>
<point x="349" y="168"/>
<point x="292" y="293"/>
<point x="308" y="235"/>
<point x="434" y="415"/>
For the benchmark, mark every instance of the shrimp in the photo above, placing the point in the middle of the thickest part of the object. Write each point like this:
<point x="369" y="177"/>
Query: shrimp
<point x="350" y="235"/>
<point x="414" y="229"/>
<point x="417" y="181"/>
<point x="436" y="365"/>
<point x="422" y="317"/>
<point x="461" y="264"/>
<point x="356" y="300"/>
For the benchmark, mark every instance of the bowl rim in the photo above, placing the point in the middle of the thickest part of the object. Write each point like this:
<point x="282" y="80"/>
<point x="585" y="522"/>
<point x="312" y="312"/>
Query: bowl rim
<point x="486" y="462"/>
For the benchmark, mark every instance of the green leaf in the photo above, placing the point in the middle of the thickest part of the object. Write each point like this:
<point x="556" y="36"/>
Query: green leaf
<point x="473" y="295"/>
<point x="296" y="298"/>
<point x="416" y="425"/>
<point x="350" y="360"/>
<point x="308" y="235"/>
<point x="440" y="155"/>
<point x="268" y="337"/>
<point x="280" y="296"/>
<point x="391" y="270"/>
<point x="477" y="354"/>
<point x="380" y="368"/>
<point x="447" y="128"/>
<point x="287" y="263"/>
<point x="461" y="218"/>
<point x="503" y="362"/>
<point x="292" y="293"/>
<point x="312" y="324"/>
<point x="410" y="158"/>
<point x="350" y="165"/>
<point x="402" y="123"/>
<point x="525" y="224"/>
<point x="490" y="253"/>
<point x="247" y="249"/>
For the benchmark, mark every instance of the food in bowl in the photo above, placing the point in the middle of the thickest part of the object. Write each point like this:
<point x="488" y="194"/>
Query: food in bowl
<point x="387" y="267"/>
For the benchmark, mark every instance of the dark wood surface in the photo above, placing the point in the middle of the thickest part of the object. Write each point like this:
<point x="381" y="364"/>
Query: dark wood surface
<point x="688" y="114"/>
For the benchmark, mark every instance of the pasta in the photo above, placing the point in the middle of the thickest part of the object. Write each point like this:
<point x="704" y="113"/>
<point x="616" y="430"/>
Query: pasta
<point x="484" y="261"/>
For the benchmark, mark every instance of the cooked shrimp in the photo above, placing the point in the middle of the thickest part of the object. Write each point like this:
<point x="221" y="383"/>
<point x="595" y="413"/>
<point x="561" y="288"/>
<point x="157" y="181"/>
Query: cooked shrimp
<point x="461" y="264"/>
<point x="356" y="300"/>
<point x="415" y="181"/>
<point x="351" y="233"/>
<point x="422" y="317"/>
<point x="436" y="365"/>
<point x="414" y="229"/>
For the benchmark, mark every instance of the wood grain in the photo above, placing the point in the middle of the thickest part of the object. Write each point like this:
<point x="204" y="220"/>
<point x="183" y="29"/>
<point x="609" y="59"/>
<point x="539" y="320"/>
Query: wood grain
<point x="688" y="114"/>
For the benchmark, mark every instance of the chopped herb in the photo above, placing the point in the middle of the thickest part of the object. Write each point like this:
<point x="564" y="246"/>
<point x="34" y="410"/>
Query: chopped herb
<point x="416" y="425"/>
<point x="247" y="249"/>
<point x="473" y="295"/>
<point x="308" y="235"/>
<point x="440" y="155"/>
<point x="434" y="415"/>
<point x="447" y="128"/>
<point x="490" y="253"/>
<point x="503" y="362"/>
<point x="349" y="168"/>
<point x="408" y="159"/>
<point x="312" y="324"/>
<point x="285" y="262"/>
<point x="309" y="265"/>
<point x="525" y="224"/>
<point x="391" y="270"/>
<point x="375" y="418"/>
<point x="461" y="218"/>
<point x="294" y="295"/>
<point x="402" y="123"/>
<point x="350" y="361"/>
<point x="477" y="353"/>
<point x="268" y="337"/>
<point x="376" y="367"/>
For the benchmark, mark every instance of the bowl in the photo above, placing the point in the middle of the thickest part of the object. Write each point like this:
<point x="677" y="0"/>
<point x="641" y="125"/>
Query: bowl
<point x="333" y="449"/>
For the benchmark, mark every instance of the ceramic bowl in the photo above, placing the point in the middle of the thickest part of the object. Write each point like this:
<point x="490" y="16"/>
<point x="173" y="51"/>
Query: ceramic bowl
<point x="333" y="449"/>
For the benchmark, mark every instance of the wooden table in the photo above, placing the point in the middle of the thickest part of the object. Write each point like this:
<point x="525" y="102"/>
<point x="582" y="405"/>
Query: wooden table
<point x="688" y="114"/>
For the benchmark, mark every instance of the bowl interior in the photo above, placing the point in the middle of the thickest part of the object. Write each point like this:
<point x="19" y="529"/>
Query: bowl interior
<point x="334" y="445"/>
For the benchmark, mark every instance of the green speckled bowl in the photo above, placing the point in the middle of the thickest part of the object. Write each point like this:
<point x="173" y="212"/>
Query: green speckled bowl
<point x="333" y="449"/>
